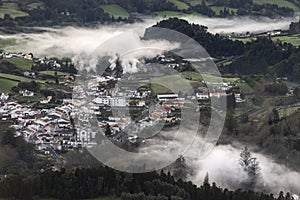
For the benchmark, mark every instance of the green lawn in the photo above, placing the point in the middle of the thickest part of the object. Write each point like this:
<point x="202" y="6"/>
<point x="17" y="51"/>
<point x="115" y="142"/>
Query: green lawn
<point x="218" y="8"/>
<point x="115" y="10"/>
<point x="282" y="3"/>
<point x="6" y="85"/>
<point x="12" y="9"/>
<point x="179" y="4"/>
<point x="21" y="63"/>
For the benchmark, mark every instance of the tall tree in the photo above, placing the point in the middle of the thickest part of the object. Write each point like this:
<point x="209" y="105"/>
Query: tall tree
<point x="250" y="166"/>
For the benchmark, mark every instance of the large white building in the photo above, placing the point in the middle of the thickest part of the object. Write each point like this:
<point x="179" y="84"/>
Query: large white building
<point x="111" y="101"/>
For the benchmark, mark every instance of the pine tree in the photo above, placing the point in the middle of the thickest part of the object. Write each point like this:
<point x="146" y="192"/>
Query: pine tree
<point x="206" y="179"/>
<point x="245" y="158"/>
<point x="251" y="166"/>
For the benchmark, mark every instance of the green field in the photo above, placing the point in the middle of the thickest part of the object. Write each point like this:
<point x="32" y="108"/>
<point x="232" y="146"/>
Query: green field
<point x="231" y="80"/>
<point x="14" y="77"/>
<point x="245" y="87"/>
<point x="21" y="63"/>
<point x="293" y="39"/>
<point x="6" y="85"/>
<point x="12" y="9"/>
<point x="35" y="5"/>
<point x="281" y="3"/>
<point x="194" y="76"/>
<point x="115" y="10"/>
<point x="193" y="2"/>
<point x="21" y="78"/>
<point x="244" y="40"/>
<point x="176" y="14"/>
<point x="217" y="9"/>
<point x="179" y="4"/>
<point x="6" y="43"/>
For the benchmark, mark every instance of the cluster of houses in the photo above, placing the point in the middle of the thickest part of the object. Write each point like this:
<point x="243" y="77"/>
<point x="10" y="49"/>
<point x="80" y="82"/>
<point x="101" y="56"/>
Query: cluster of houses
<point x="49" y="129"/>
<point x="47" y="61"/>
<point x="68" y="125"/>
<point x="5" y="54"/>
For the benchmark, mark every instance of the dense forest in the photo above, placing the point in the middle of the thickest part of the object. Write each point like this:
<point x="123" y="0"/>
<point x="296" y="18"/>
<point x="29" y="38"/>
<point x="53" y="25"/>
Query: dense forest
<point x="102" y="181"/>
<point x="216" y="45"/>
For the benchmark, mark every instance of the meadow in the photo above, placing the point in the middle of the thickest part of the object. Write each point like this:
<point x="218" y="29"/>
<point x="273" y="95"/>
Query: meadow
<point x="6" y="85"/>
<point x="21" y="63"/>
<point x="12" y="9"/>
<point x="180" y="5"/>
<point x="115" y="10"/>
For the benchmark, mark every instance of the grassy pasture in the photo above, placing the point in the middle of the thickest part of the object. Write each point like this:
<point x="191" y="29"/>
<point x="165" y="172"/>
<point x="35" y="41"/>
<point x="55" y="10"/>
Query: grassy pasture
<point x="115" y="10"/>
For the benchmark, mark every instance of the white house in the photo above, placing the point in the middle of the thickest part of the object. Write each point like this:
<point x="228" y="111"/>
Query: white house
<point x="4" y="97"/>
<point x="26" y="93"/>
<point x="166" y="97"/>
<point x="111" y="101"/>
<point x="202" y="96"/>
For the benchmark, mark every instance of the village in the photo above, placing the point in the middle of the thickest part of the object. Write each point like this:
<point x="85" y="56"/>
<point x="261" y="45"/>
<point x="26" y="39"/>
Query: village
<point x="58" y="128"/>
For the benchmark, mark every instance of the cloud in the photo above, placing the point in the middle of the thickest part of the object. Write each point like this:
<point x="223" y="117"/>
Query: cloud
<point x="223" y="167"/>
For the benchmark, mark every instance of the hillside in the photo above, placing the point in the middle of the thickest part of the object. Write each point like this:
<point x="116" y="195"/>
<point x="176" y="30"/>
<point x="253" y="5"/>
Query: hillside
<point x="51" y="12"/>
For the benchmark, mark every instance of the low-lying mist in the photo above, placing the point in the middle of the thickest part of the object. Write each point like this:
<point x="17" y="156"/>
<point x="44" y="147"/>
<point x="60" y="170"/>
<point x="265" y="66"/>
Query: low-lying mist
<point x="224" y="169"/>
<point x="71" y="41"/>
<point x="223" y="166"/>
<point x="223" y="162"/>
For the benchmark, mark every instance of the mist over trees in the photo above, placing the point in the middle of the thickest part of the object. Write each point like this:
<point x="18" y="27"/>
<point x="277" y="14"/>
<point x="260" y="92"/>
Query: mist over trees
<point x="251" y="166"/>
<point x="91" y="183"/>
